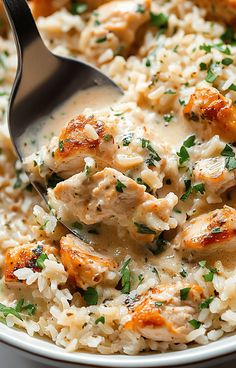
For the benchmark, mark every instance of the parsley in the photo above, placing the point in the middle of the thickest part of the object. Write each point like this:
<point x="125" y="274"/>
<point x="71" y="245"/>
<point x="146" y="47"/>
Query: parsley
<point x="40" y="260"/>
<point x="205" y="304"/>
<point x="159" y="304"/>
<point x="203" y="66"/>
<point x="232" y="87"/>
<point x="224" y="49"/>
<point x="90" y="296"/>
<point x="153" y="156"/>
<point x="107" y="137"/>
<point x="168" y="117"/>
<point x="211" y="74"/>
<point x="43" y="227"/>
<point x="140" y="9"/>
<point x="127" y="139"/>
<point x="9" y="310"/>
<point x="216" y="230"/>
<point x="230" y="163"/>
<point x="182" y="102"/>
<point x="188" y="190"/>
<point x="183" y="155"/>
<point x="159" y="20"/>
<point x="190" y="141"/>
<point x="228" y="36"/>
<point x="141" y="182"/>
<point x="53" y="180"/>
<point x="101" y="39"/>
<point x="169" y="92"/>
<point x="184" y="293"/>
<point x="30" y="308"/>
<point x="195" y="323"/>
<point x="161" y="245"/>
<point x="199" y="188"/>
<point x="140" y="278"/>
<point x="148" y="63"/>
<point x="202" y="263"/>
<point x="78" y="8"/>
<point x="209" y="276"/>
<point x="120" y="186"/>
<point x="206" y="48"/>
<point x="143" y="229"/>
<point x="18" y="181"/>
<point x="100" y="320"/>
<point x="125" y="277"/>
<point x="88" y="170"/>
<point x="77" y="227"/>
<point x="227" y="61"/>
<point x="227" y="151"/>
<point x="61" y="146"/>
<point x="183" y="273"/>
<point x="192" y="116"/>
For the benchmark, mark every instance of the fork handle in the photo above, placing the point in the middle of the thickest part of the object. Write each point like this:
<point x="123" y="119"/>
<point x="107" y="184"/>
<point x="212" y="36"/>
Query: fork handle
<point x="28" y="40"/>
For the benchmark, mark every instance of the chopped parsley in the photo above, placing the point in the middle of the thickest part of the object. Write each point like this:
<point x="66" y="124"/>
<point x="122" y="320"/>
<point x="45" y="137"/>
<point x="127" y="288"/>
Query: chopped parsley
<point x="148" y="63"/>
<point x="198" y="188"/>
<point x="90" y="296"/>
<point x="161" y="245"/>
<point x="183" y="273"/>
<point x="209" y="276"/>
<point x="169" y="92"/>
<point x="120" y="186"/>
<point x="153" y="155"/>
<point x="141" y="182"/>
<point x="168" y="117"/>
<point x="232" y="87"/>
<point x="227" y="61"/>
<point x="216" y="230"/>
<point x="77" y="227"/>
<point x="18" y="182"/>
<point x="159" y="20"/>
<point x="183" y="155"/>
<point x="100" y="320"/>
<point x="206" y="48"/>
<point x="205" y="304"/>
<point x="202" y="263"/>
<point x="143" y="229"/>
<point x="9" y="310"/>
<point x="211" y="73"/>
<point x="127" y="139"/>
<point x="190" y="141"/>
<point x="88" y="170"/>
<point x="228" y="151"/>
<point x="159" y="304"/>
<point x="195" y="323"/>
<point x="107" y="137"/>
<point x="140" y="9"/>
<point x="140" y="278"/>
<point x="203" y="66"/>
<point x="125" y="277"/>
<point x="30" y="308"/>
<point x="61" y="146"/>
<point x="77" y="9"/>
<point x="230" y="163"/>
<point x="101" y="39"/>
<point x="40" y="260"/>
<point x="184" y="293"/>
<point x="228" y="36"/>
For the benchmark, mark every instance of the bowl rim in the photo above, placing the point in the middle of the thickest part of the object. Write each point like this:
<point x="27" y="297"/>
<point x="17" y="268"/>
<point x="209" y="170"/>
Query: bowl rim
<point x="41" y="348"/>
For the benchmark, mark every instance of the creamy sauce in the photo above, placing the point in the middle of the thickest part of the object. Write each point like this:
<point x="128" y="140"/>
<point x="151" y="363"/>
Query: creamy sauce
<point x="43" y="130"/>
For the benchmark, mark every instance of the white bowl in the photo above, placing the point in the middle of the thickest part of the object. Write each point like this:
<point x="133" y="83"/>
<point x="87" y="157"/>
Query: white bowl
<point x="46" y="352"/>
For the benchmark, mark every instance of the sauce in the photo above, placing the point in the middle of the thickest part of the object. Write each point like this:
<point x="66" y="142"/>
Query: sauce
<point x="42" y="131"/>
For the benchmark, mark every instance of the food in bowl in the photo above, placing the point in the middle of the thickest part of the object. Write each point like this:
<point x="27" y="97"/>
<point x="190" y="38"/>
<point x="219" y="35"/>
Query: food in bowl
<point x="147" y="181"/>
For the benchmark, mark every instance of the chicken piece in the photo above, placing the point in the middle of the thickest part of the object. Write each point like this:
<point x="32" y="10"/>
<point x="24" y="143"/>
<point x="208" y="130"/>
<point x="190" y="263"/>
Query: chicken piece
<point x="112" y="198"/>
<point x="85" y="266"/>
<point x="112" y="29"/>
<point x="44" y="8"/>
<point x="161" y="315"/>
<point x="216" y="113"/>
<point x="214" y="175"/>
<point x="220" y="9"/>
<point x="25" y="256"/>
<point x="210" y="232"/>
<point x="94" y="4"/>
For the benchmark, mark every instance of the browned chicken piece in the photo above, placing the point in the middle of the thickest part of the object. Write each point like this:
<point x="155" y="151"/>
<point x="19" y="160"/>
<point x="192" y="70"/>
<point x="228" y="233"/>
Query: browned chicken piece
<point x="213" y="173"/>
<point x="25" y="256"/>
<point x="161" y="315"/>
<point x="94" y="4"/>
<point x="224" y="10"/>
<point x="44" y="8"/>
<point x="113" y="27"/>
<point x="112" y="198"/>
<point x="210" y="232"/>
<point x="85" y="266"/>
<point x="216" y="114"/>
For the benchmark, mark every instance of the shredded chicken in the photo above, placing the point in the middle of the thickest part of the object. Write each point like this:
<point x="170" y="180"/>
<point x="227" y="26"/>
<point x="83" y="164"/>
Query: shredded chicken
<point x="220" y="9"/>
<point x="161" y="315"/>
<point x="215" y="112"/>
<point x="112" y="29"/>
<point x="112" y="198"/>
<point x="85" y="266"/>
<point x="43" y="8"/>
<point x="210" y="232"/>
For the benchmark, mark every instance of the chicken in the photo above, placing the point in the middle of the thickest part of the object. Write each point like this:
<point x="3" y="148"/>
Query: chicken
<point x="112" y="198"/>
<point x="210" y="232"/>
<point x="213" y="173"/>
<point x="221" y="9"/>
<point x="103" y="139"/>
<point x="44" y="8"/>
<point x="94" y="4"/>
<point x="112" y="29"/>
<point x="161" y="315"/>
<point x="25" y="256"/>
<point x="216" y="114"/>
<point x="85" y="266"/>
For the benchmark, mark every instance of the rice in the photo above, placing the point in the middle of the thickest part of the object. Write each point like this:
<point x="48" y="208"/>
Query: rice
<point x="167" y="63"/>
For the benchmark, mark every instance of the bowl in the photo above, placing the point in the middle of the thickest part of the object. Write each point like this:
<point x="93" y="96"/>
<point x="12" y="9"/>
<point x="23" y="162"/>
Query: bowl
<point x="45" y="352"/>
